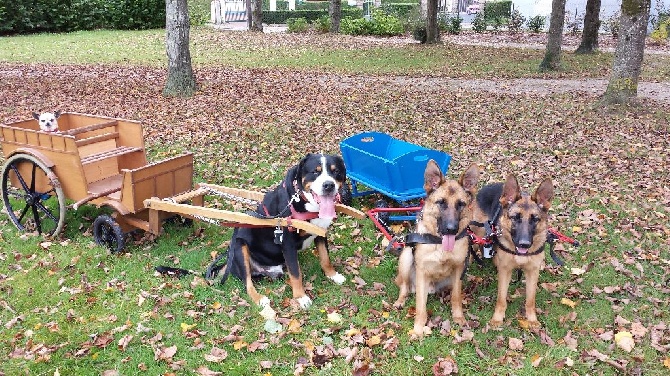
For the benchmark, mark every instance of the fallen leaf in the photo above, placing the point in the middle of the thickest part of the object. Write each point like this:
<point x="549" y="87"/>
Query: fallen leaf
<point x="334" y="317"/>
<point x="568" y="302"/>
<point x="445" y="366"/>
<point x="515" y="343"/>
<point x="624" y="340"/>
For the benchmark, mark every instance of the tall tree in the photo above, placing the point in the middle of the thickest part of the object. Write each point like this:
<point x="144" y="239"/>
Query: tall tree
<point x="432" y="30"/>
<point x="622" y="87"/>
<point x="589" y="42"/>
<point x="335" y="10"/>
<point x="552" y="56"/>
<point x="180" y="78"/>
<point x="256" y="15"/>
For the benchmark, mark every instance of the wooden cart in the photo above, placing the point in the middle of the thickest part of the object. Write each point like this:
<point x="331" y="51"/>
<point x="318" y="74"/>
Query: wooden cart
<point x="92" y="159"/>
<point x="102" y="161"/>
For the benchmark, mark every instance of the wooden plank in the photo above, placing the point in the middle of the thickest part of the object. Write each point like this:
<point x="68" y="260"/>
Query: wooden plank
<point x="252" y="195"/>
<point x="98" y="138"/>
<point x="230" y="216"/>
<point x="258" y="196"/>
<point x="91" y="127"/>
<point x="109" y="154"/>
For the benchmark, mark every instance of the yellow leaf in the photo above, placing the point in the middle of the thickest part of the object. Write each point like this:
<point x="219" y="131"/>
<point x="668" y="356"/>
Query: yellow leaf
<point x="576" y="229"/>
<point x="568" y="302"/>
<point x="294" y="326"/>
<point x="186" y="327"/>
<point x="373" y="341"/>
<point x="216" y="305"/>
<point x="577" y="271"/>
<point x="624" y="341"/>
<point x="239" y="344"/>
<point x="385" y="315"/>
<point x="666" y="362"/>
<point x="535" y="360"/>
<point x="352" y="332"/>
<point x="524" y="324"/>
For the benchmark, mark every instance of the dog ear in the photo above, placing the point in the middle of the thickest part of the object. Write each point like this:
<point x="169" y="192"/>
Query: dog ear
<point x="543" y="194"/>
<point x="432" y="177"/>
<point x="470" y="178"/>
<point x="36" y="115"/>
<point x="511" y="191"/>
<point x="57" y="114"/>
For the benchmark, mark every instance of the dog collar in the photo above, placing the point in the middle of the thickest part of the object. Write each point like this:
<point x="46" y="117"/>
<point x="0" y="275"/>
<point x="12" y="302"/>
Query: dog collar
<point x="416" y="238"/>
<point x="507" y="250"/>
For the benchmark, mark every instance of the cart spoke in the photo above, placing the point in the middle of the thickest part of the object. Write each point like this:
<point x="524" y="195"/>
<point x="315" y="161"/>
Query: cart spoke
<point x="14" y="193"/>
<point x="18" y="176"/>
<point x="23" y="213"/>
<point x="46" y="211"/>
<point x="32" y="183"/>
<point x="38" y="222"/>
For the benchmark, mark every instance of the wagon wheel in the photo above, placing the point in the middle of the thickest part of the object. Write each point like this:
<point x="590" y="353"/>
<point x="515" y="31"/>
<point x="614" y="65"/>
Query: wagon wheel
<point x="32" y="195"/>
<point x="108" y="234"/>
<point x="346" y="197"/>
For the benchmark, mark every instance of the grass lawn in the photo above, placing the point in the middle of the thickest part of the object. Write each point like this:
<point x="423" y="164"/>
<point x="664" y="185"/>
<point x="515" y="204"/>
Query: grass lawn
<point x="68" y="307"/>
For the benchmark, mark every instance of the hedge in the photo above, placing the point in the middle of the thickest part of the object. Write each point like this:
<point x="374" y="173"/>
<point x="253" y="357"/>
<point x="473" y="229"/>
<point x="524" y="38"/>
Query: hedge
<point x="497" y="11"/>
<point x="32" y="16"/>
<point x="280" y="16"/>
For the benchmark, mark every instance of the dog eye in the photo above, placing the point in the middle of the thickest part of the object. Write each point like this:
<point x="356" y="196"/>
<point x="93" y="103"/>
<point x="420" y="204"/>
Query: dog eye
<point x="516" y="217"/>
<point x="460" y="205"/>
<point x="534" y="219"/>
<point x="441" y="202"/>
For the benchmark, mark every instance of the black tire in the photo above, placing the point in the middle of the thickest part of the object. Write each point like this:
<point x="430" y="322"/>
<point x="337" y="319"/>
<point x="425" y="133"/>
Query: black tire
<point x="108" y="234"/>
<point x="383" y="216"/>
<point x="32" y="195"/>
<point x="346" y="198"/>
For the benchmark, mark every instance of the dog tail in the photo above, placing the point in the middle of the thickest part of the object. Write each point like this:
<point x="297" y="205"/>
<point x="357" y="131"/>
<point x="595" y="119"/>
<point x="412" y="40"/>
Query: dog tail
<point x="216" y="265"/>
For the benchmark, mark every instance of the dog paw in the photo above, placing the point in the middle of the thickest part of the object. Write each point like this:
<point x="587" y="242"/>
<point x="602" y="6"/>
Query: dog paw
<point x="495" y="323"/>
<point x="304" y="301"/>
<point x="420" y="332"/>
<point x="399" y="304"/>
<point x="338" y="278"/>
<point x="534" y="324"/>
<point x="460" y="320"/>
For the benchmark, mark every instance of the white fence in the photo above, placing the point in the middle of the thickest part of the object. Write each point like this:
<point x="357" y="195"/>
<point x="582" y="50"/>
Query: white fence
<point x="228" y="11"/>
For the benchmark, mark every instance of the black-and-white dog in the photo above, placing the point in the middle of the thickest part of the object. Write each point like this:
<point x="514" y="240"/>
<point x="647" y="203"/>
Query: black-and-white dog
<point x="309" y="192"/>
<point x="48" y="121"/>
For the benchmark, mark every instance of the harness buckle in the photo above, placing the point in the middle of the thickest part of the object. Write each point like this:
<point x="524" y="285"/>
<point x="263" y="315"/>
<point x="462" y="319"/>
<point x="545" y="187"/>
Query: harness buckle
<point x="278" y="235"/>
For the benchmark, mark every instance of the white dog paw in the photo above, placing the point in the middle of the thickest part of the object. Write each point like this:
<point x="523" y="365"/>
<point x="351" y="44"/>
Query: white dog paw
<point x="338" y="278"/>
<point x="304" y="301"/>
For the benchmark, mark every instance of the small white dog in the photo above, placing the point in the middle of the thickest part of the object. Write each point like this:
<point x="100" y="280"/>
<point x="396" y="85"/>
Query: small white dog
<point x="48" y="121"/>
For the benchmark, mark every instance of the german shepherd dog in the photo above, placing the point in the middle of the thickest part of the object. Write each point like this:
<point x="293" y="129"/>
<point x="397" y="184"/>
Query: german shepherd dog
<point x="434" y="257"/>
<point x="521" y="221"/>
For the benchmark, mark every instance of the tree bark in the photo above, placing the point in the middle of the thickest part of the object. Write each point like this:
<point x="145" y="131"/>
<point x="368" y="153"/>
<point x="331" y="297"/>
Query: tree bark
<point x="552" y="56"/>
<point x="250" y="10"/>
<point x="622" y="87"/>
<point x="256" y="15"/>
<point x="335" y="10"/>
<point x="180" y="78"/>
<point x="432" y="31"/>
<point x="589" y="42"/>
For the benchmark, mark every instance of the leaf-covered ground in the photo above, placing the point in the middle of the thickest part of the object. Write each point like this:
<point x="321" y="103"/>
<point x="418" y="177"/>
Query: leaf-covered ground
<point x="605" y="313"/>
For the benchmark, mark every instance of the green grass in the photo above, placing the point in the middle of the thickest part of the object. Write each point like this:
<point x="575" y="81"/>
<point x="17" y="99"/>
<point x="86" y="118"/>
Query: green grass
<point x="210" y="47"/>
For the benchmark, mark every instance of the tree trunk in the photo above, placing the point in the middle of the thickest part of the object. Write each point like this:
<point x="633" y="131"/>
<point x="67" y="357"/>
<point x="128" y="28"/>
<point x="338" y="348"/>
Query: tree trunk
<point x="335" y="11"/>
<point x="248" y="4"/>
<point x="622" y="87"/>
<point x="589" y="43"/>
<point x="180" y="78"/>
<point x="552" y="56"/>
<point x="432" y="31"/>
<point x="256" y="15"/>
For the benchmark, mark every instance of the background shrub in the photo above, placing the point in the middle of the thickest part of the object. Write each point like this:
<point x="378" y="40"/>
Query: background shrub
<point x="450" y="24"/>
<point x="297" y="25"/>
<point x="479" y="23"/>
<point x="379" y="24"/>
<point x="536" y="23"/>
<point x="516" y="21"/>
<point x="322" y="24"/>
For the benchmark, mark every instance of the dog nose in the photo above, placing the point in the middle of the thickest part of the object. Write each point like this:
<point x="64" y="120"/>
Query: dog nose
<point x="328" y="187"/>
<point x="524" y="243"/>
<point x="450" y="228"/>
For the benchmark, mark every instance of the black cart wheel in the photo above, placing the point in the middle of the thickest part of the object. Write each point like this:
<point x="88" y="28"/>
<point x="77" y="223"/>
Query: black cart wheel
<point x="108" y="234"/>
<point x="346" y="198"/>
<point x="32" y="195"/>
<point x="383" y="216"/>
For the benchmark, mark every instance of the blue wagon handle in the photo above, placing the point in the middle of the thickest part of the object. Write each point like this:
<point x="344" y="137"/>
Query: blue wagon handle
<point x="388" y="166"/>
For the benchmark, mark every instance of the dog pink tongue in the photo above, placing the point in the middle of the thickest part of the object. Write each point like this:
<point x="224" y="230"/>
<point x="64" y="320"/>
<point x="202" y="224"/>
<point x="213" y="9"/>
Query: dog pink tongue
<point x="448" y="242"/>
<point x="327" y="207"/>
<point x="522" y="251"/>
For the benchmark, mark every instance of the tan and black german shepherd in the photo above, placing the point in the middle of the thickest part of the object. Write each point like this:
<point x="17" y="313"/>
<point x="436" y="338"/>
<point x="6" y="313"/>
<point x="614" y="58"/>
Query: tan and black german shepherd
<point x="435" y="254"/>
<point x="521" y="221"/>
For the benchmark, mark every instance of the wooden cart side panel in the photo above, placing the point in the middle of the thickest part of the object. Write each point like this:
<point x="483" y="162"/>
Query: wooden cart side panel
<point x="130" y="133"/>
<point x="161" y="179"/>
